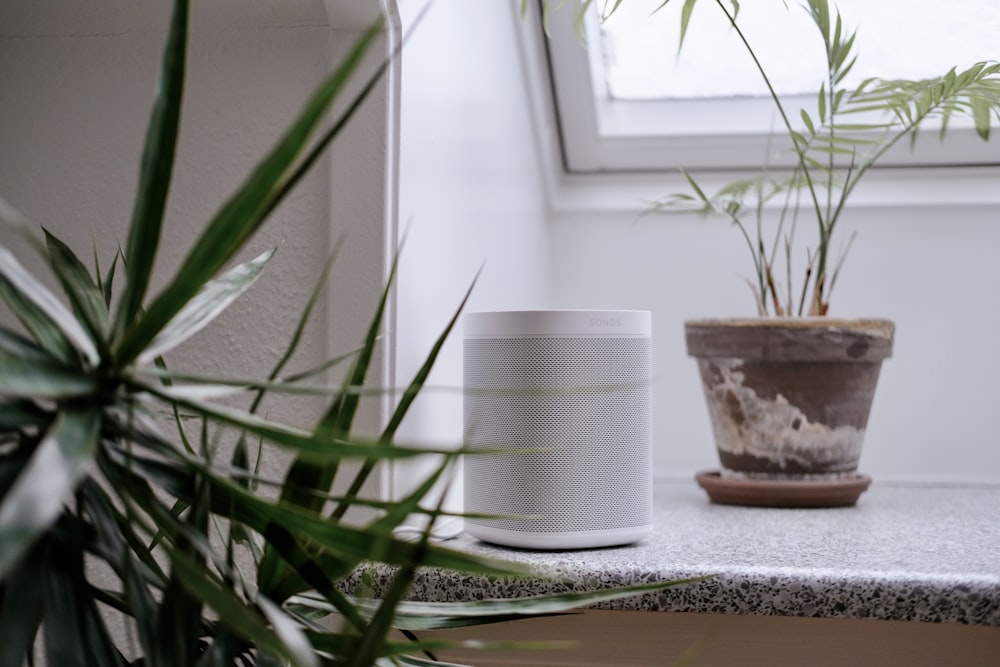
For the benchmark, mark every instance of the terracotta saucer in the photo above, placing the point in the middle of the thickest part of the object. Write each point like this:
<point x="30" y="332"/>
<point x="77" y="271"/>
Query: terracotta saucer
<point x="842" y="492"/>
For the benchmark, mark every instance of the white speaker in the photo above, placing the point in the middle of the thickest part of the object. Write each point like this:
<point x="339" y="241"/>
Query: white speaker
<point x="565" y="396"/>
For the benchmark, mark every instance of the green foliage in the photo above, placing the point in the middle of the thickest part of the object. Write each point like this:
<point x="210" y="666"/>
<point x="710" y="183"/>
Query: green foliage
<point x="835" y="143"/>
<point x="206" y="571"/>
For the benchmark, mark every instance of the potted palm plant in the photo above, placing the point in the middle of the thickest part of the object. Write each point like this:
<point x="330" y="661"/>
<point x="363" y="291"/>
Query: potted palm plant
<point x="109" y="460"/>
<point x="789" y="392"/>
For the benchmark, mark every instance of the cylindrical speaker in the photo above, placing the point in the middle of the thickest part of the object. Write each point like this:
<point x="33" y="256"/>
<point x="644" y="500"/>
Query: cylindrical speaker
<point x="558" y="405"/>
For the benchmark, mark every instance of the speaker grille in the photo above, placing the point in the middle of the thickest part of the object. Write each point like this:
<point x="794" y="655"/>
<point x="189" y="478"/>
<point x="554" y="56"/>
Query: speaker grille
<point x="574" y="415"/>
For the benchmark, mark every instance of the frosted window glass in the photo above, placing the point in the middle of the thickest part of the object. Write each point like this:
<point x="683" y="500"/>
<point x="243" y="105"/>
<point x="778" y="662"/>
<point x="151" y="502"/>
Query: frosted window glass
<point x="897" y="38"/>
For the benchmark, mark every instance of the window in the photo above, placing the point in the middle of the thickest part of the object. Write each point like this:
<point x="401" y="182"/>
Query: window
<point x="630" y="102"/>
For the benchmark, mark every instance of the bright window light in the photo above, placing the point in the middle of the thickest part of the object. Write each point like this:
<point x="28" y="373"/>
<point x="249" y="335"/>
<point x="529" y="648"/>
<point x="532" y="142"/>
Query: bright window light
<point x="629" y="102"/>
<point x="910" y="39"/>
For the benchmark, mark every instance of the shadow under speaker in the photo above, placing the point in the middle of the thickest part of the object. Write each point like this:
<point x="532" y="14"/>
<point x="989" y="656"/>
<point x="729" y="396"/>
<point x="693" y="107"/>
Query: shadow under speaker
<point x="559" y="402"/>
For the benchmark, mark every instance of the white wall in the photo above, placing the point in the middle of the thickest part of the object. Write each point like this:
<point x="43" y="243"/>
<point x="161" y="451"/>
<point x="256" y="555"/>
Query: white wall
<point x="470" y="191"/>
<point x="470" y="194"/>
<point x="929" y="269"/>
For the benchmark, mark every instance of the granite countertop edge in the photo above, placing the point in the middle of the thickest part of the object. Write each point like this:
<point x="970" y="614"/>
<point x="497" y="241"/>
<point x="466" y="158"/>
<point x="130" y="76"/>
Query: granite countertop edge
<point x="923" y="553"/>
<point x="881" y="596"/>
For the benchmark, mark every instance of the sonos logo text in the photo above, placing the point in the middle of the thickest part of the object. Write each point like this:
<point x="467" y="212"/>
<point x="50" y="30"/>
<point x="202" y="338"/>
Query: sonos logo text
<point x="605" y="322"/>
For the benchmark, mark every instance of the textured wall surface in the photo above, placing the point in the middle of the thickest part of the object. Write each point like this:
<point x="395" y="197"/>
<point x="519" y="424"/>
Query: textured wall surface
<point x="78" y="86"/>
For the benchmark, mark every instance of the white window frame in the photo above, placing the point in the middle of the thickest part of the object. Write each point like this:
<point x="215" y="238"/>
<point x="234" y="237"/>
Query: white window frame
<point x="607" y="154"/>
<point x="600" y="133"/>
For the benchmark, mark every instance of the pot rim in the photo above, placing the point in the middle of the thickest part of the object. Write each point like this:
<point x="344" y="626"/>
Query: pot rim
<point x="878" y="327"/>
<point x="815" y="339"/>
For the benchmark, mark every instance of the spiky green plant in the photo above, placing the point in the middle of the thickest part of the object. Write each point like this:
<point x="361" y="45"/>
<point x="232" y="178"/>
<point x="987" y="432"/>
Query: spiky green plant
<point x="98" y="469"/>
<point x="835" y="143"/>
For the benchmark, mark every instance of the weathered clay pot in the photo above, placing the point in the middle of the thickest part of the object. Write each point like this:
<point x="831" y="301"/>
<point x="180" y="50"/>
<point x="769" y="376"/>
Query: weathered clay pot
<point x="789" y="397"/>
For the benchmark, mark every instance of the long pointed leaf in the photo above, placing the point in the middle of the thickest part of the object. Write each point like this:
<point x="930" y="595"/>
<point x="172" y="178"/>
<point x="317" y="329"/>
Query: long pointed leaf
<point x="416" y="615"/>
<point x="307" y="567"/>
<point x="431" y="615"/>
<point x="290" y="634"/>
<point x="52" y="324"/>
<point x="18" y="346"/>
<point x="394" y="514"/>
<point x="55" y="468"/>
<point x="17" y="414"/>
<point x="232" y="611"/>
<point x="411" y="393"/>
<point x="63" y="620"/>
<point x="243" y="214"/>
<point x="361" y="543"/>
<point x="21" y="606"/>
<point x="157" y="168"/>
<point x="180" y="612"/>
<point x="686" y="12"/>
<point x="37" y="379"/>
<point x="311" y="446"/>
<point x="108" y="283"/>
<point x="71" y="613"/>
<point x="213" y="298"/>
<point x="374" y="638"/>
<point x="110" y="541"/>
<point x="85" y="296"/>
<point x="981" y="113"/>
<point x="304" y="318"/>
<point x="101" y="648"/>
<point x="222" y="652"/>
<point x="306" y="476"/>
<point x="115" y="535"/>
<point x="230" y="499"/>
<point x="371" y="644"/>
<point x="340" y="417"/>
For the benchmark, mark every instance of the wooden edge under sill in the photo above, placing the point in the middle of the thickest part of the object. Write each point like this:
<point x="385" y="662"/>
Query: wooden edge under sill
<point x="633" y="638"/>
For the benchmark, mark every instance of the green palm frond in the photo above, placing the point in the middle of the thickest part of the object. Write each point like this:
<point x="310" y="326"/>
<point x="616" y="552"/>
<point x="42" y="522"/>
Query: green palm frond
<point x="836" y="142"/>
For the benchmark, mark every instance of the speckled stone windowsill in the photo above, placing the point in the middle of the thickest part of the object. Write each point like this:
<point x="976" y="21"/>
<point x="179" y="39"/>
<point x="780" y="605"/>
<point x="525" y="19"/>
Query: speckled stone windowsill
<point x="904" y="552"/>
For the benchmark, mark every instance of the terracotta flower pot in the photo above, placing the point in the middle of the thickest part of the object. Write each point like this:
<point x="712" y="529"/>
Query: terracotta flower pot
<point x="789" y="397"/>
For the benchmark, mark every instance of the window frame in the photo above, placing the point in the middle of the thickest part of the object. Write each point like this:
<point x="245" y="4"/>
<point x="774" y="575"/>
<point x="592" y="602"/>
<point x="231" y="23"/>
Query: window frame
<point x="603" y="135"/>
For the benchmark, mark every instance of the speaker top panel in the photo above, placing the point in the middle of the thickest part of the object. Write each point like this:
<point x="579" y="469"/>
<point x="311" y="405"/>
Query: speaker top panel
<point x="530" y="323"/>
